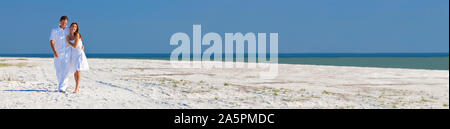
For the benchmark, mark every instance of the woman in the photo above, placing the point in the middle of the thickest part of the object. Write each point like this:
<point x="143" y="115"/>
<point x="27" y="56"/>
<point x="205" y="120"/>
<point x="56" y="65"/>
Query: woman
<point x="78" y="61"/>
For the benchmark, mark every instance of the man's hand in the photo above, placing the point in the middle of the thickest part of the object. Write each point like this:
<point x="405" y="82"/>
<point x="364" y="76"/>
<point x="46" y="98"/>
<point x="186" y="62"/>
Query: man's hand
<point x="56" y="54"/>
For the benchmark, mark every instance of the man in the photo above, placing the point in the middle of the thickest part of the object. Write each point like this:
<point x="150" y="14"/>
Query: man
<point x="61" y="52"/>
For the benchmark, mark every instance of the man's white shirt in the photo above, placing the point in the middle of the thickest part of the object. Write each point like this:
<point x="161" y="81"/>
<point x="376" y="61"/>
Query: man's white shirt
<point x="58" y="35"/>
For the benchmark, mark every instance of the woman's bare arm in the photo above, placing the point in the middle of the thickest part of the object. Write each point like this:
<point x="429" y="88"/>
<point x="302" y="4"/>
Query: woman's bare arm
<point x="74" y="45"/>
<point x="67" y="40"/>
<point x="77" y="37"/>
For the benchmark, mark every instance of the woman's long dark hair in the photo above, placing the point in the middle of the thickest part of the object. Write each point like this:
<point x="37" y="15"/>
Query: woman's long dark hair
<point x="77" y="31"/>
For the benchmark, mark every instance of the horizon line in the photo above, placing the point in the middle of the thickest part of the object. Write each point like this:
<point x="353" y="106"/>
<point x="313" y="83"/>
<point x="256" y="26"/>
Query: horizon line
<point x="266" y="53"/>
<point x="279" y="55"/>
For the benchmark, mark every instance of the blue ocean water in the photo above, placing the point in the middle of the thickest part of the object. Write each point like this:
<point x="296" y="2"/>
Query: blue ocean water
<point x="435" y="61"/>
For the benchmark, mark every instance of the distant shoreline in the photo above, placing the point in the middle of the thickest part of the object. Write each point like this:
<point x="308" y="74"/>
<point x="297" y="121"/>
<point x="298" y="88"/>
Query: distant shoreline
<point x="429" y="61"/>
<point x="280" y="55"/>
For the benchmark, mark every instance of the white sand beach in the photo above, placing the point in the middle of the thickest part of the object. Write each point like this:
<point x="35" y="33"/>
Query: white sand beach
<point x="144" y="83"/>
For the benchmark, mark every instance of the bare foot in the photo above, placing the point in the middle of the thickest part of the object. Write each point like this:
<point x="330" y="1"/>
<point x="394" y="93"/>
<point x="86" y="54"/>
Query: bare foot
<point x="76" y="91"/>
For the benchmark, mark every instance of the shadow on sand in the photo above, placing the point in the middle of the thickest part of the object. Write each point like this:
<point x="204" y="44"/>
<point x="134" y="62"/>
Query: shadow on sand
<point x="32" y="90"/>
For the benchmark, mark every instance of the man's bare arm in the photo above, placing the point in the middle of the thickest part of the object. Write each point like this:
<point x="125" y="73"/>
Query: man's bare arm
<point x="52" y="43"/>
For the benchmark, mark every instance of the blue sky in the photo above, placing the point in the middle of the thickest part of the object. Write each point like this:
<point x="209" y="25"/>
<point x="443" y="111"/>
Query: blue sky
<point x="304" y="26"/>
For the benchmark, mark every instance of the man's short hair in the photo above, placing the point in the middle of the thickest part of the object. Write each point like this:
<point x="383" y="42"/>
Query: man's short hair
<point x="64" y="18"/>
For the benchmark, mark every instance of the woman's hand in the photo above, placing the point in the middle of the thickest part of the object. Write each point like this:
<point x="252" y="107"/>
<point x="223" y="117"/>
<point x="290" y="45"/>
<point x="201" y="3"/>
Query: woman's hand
<point x="67" y="41"/>
<point x="71" y="44"/>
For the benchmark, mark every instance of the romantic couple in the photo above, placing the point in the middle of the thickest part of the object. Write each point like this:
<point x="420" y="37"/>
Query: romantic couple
<point x="68" y="50"/>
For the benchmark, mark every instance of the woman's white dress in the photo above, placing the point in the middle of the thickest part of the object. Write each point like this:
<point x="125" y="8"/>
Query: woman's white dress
<point x="78" y="58"/>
